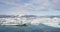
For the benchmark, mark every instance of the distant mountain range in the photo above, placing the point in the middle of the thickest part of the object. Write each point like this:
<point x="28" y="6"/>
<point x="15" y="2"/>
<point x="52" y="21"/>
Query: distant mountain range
<point x="27" y="16"/>
<point x="7" y="16"/>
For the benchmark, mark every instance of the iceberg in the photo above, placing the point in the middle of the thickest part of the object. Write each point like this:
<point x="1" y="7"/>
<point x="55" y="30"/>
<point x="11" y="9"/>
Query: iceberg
<point x="30" y="20"/>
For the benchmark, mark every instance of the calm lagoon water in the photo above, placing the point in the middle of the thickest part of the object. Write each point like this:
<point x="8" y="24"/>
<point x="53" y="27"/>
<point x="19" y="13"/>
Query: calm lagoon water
<point x="30" y="28"/>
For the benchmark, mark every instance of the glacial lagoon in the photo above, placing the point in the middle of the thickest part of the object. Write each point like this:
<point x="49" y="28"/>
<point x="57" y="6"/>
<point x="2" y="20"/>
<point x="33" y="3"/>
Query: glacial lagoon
<point x="29" y="28"/>
<point x="33" y="24"/>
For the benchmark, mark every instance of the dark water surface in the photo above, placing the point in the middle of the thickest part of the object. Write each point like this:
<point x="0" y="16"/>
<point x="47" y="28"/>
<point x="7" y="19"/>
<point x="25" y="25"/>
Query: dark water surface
<point x="30" y="28"/>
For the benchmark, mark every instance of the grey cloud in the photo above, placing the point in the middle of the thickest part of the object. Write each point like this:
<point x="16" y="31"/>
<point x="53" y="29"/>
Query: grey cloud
<point x="55" y="4"/>
<point x="40" y="5"/>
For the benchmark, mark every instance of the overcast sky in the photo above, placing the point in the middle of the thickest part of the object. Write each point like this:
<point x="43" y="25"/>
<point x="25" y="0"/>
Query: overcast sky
<point x="29" y="7"/>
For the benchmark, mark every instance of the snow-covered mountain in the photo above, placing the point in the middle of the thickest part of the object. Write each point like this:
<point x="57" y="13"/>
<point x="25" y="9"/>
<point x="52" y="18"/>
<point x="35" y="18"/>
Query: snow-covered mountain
<point x="53" y="21"/>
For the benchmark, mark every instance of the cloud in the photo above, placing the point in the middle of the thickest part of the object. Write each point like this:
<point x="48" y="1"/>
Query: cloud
<point x="55" y="4"/>
<point x="24" y="6"/>
<point x="33" y="5"/>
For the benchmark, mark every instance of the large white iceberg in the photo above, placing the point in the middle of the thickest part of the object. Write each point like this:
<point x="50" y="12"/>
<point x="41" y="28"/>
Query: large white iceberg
<point x="54" y="22"/>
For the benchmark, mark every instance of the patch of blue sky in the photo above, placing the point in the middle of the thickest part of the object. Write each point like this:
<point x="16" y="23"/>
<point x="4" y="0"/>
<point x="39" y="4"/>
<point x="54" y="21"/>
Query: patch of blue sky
<point x="53" y="12"/>
<point x="24" y="1"/>
<point x="34" y="5"/>
<point x="37" y="13"/>
<point x="42" y="13"/>
<point x="5" y="6"/>
<point x="1" y="3"/>
<point x="50" y="0"/>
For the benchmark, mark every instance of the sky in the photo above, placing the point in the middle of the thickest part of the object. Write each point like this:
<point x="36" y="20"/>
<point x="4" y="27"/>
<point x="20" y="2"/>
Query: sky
<point x="30" y="7"/>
